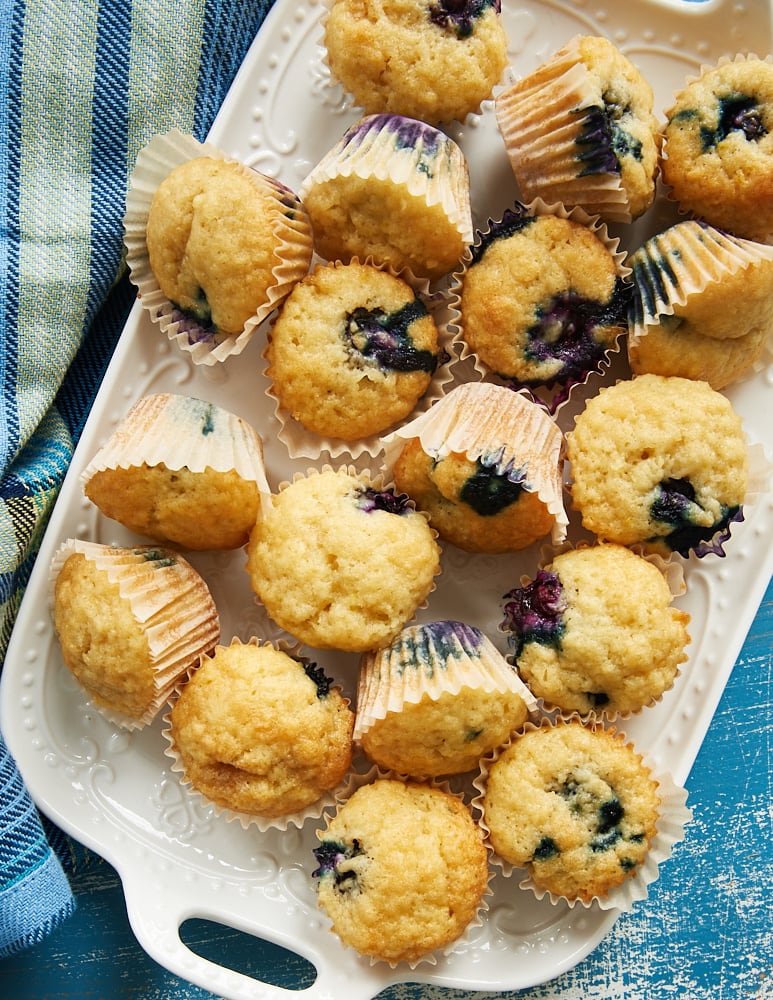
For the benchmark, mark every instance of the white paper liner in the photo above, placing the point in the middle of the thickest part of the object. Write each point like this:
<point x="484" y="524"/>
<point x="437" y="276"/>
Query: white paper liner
<point x="673" y="817"/>
<point x="467" y="421"/>
<point x="304" y="443"/>
<point x="673" y="574"/>
<point x="555" y="394"/>
<point x="681" y="261"/>
<point x="154" y="595"/>
<point x="292" y="231"/>
<point x="392" y="677"/>
<point x="327" y="800"/>
<point x="538" y="120"/>
<point x="372" y="153"/>
<point x="375" y="773"/>
<point x="165" y="428"/>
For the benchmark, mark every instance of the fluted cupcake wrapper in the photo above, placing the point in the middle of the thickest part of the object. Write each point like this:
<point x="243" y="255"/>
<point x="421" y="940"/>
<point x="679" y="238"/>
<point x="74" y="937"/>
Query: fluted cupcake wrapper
<point x="153" y="432"/>
<point x="167" y="596"/>
<point x="291" y="230"/>
<point x="482" y="420"/>
<point x="431" y="660"/>
<point x="545" y="119"/>
<point x="682" y="261"/>
<point x="673" y="817"/>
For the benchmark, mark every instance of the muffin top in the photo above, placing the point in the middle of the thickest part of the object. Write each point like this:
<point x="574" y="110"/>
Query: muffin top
<point x="393" y="55"/>
<point x="352" y="350"/>
<point x="402" y="870"/>
<point x="261" y="732"/>
<point x="718" y="145"/>
<point x="595" y="631"/>
<point x="575" y="806"/>
<point x="660" y="461"/>
<point x="341" y="564"/>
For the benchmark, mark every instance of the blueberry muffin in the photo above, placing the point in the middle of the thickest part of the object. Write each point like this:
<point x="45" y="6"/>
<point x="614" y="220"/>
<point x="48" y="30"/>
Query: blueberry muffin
<point x="485" y="463"/>
<point x="436" y="61"/>
<point x="595" y="631"/>
<point x="580" y="130"/>
<point x="542" y="300"/>
<point x="718" y="146"/>
<point x="352" y="351"/>
<point x="402" y="870"/>
<point x="340" y="563"/>
<point x="573" y="805"/>
<point x="260" y="732"/>
<point x="661" y="462"/>
<point x="130" y="623"/>
<point x="436" y="699"/>
<point x="182" y="471"/>
<point x="394" y="189"/>
<point x="702" y="306"/>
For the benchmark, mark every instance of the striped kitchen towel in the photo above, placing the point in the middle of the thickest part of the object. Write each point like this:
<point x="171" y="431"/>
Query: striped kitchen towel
<point x="83" y="86"/>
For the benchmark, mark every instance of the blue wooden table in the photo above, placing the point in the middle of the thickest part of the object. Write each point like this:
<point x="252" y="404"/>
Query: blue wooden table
<point x="705" y="932"/>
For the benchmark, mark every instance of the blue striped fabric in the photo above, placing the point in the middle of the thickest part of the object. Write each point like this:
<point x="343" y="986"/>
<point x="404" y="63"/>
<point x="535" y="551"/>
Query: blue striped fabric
<point x="82" y="88"/>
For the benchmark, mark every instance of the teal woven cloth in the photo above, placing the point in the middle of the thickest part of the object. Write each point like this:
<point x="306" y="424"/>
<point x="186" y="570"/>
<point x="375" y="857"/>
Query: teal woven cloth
<point x="83" y="86"/>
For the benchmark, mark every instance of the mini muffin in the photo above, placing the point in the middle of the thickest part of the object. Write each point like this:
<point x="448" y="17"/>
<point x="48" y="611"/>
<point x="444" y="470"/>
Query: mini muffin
<point x="485" y="464"/>
<point x="394" y="56"/>
<point x="213" y="245"/>
<point x="595" y="631"/>
<point x="182" y="471"/>
<point x="341" y="563"/>
<point x="394" y="189"/>
<point x="718" y="146"/>
<point x="260" y="732"/>
<point x="402" y="870"/>
<point x="659" y="461"/>
<point x="702" y="306"/>
<point x="542" y="300"/>
<point x="580" y="130"/>
<point x="130" y="622"/>
<point x="351" y="351"/>
<point x="436" y="700"/>
<point x="573" y="805"/>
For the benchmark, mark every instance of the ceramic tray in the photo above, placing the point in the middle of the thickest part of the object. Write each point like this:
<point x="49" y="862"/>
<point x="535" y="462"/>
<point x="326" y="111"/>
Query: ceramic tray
<point x="115" y="792"/>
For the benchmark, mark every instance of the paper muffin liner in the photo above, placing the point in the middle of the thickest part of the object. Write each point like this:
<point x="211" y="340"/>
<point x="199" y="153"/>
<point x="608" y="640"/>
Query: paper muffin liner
<point x="410" y="154"/>
<point x="328" y="800"/>
<point x="304" y="443"/>
<point x="166" y="428"/>
<point x="479" y="420"/>
<point x="179" y="615"/>
<point x="292" y="253"/>
<point x="673" y="817"/>
<point x="553" y="394"/>
<point x="682" y="261"/>
<point x="541" y="122"/>
<point x="395" y="675"/>
<point x="673" y="574"/>
<point x="369" y="776"/>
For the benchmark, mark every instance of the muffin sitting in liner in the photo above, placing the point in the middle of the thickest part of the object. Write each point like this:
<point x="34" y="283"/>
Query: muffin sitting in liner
<point x="395" y="189"/>
<point x="660" y="462"/>
<point x="595" y="631"/>
<point x="485" y="463"/>
<point x="402" y="870"/>
<point x="341" y="562"/>
<point x="261" y="733"/>
<point x="181" y="471"/>
<point x="436" y="699"/>
<point x="718" y="146"/>
<point x="580" y="130"/>
<point x="131" y="622"/>
<point x="394" y="55"/>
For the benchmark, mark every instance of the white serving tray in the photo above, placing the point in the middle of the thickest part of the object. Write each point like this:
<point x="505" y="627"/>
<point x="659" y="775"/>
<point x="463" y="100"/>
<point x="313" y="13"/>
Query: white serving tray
<point x="115" y="792"/>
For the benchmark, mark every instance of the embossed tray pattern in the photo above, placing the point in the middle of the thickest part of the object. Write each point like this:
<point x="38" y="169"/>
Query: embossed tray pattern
<point x="115" y="792"/>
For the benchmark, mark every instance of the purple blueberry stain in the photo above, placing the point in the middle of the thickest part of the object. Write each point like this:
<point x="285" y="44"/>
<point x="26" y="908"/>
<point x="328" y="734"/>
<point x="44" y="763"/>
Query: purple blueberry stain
<point x="383" y="338"/>
<point x="331" y="857"/>
<point x="535" y="612"/>
<point x="675" y="505"/>
<point x="460" y="15"/>
<point x="369" y="500"/>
